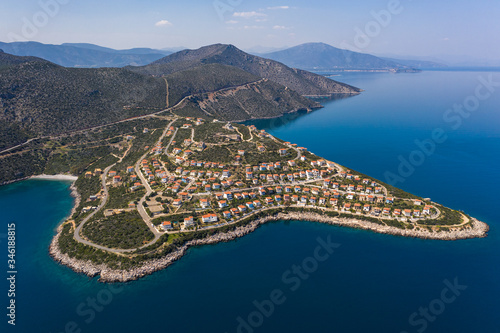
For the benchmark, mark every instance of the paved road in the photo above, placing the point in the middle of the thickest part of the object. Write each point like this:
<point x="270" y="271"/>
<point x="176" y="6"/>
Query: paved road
<point x="140" y="207"/>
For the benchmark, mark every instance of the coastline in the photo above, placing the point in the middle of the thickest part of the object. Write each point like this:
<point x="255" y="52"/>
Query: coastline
<point x="55" y="177"/>
<point x="479" y="230"/>
<point x="74" y="191"/>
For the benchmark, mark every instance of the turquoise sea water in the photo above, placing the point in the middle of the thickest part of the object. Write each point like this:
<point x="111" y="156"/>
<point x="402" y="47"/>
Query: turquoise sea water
<point x="370" y="283"/>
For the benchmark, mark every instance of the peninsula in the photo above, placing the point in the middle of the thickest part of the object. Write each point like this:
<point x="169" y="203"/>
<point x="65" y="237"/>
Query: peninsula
<point x="188" y="181"/>
<point x="162" y="163"/>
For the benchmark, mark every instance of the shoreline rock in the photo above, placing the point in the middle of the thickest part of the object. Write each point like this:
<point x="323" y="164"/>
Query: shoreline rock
<point x="479" y="230"/>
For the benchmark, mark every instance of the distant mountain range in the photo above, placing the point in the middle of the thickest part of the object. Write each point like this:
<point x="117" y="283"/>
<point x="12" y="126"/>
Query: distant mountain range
<point x="324" y="57"/>
<point x="84" y="55"/>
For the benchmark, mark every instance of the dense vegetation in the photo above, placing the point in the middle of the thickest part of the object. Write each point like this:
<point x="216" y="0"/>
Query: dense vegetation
<point x="205" y="78"/>
<point x="41" y="98"/>
<point x="125" y="231"/>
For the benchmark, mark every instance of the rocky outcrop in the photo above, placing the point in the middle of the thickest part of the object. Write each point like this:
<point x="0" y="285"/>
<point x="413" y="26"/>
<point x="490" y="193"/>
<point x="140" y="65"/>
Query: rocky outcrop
<point x="477" y="229"/>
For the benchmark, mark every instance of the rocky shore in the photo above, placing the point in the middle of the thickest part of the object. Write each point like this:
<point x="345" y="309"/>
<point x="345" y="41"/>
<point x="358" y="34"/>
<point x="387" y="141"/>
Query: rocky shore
<point x="478" y="230"/>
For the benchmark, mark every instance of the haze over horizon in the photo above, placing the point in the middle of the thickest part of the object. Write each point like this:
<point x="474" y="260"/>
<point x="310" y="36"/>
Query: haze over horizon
<point x="450" y="30"/>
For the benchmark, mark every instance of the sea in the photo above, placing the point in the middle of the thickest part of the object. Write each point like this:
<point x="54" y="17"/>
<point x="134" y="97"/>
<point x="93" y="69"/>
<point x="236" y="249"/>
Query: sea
<point x="434" y="133"/>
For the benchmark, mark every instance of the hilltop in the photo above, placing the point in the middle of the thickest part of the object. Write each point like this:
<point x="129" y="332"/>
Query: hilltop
<point x="38" y="97"/>
<point x="304" y="83"/>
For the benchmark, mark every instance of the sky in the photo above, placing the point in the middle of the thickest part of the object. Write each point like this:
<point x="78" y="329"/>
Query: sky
<point x="417" y="28"/>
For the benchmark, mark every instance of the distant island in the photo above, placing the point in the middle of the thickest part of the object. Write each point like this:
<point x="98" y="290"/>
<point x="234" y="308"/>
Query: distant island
<point x="161" y="163"/>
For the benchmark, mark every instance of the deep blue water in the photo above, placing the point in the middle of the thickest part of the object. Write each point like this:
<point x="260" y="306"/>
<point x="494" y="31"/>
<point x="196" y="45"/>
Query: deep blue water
<point x="370" y="283"/>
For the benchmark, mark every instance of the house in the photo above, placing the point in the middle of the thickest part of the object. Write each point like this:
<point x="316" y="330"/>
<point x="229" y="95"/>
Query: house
<point x="228" y="195"/>
<point x="242" y="208"/>
<point x="416" y="213"/>
<point x="396" y="212"/>
<point x="349" y="196"/>
<point x="241" y="152"/>
<point x="204" y="203"/>
<point x="357" y="206"/>
<point x="226" y="214"/>
<point x="209" y="218"/>
<point x="222" y="203"/>
<point x="167" y="225"/>
<point x="97" y="172"/>
<point x="117" y="179"/>
<point x="322" y="201"/>
<point x="366" y="208"/>
<point x="427" y="210"/>
<point x="250" y="205"/>
<point x="88" y="174"/>
<point x="177" y="203"/>
<point x="269" y="200"/>
<point x="261" y="149"/>
<point x="347" y="206"/>
<point x="417" y="202"/>
<point x="386" y="211"/>
<point x="407" y="212"/>
<point x="283" y="152"/>
<point x="389" y="200"/>
<point x="257" y="204"/>
<point x="188" y="222"/>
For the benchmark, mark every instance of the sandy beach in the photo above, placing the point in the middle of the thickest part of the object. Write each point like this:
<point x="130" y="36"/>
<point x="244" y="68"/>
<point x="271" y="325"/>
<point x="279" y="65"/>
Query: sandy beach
<point x="55" y="177"/>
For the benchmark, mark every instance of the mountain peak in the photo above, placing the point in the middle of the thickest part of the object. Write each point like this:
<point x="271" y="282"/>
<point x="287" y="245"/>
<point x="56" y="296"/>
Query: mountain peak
<point x="304" y="83"/>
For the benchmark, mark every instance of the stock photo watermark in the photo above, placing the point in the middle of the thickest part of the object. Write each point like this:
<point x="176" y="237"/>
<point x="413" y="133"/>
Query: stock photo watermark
<point x="31" y="25"/>
<point x="381" y="19"/>
<point x="425" y="315"/>
<point x="454" y="118"/>
<point x="11" y="273"/>
<point x="292" y="278"/>
<point x="88" y="310"/>
<point x="224" y="7"/>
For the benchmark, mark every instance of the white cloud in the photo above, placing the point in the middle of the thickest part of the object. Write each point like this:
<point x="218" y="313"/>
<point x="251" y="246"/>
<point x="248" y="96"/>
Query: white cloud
<point x="248" y="14"/>
<point x="446" y="39"/>
<point x="280" y="27"/>
<point x="278" y="7"/>
<point x="163" y="23"/>
<point x="231" y="22"/>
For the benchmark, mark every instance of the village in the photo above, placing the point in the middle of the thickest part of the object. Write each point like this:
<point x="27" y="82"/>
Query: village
<point x="184" y="184"/>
